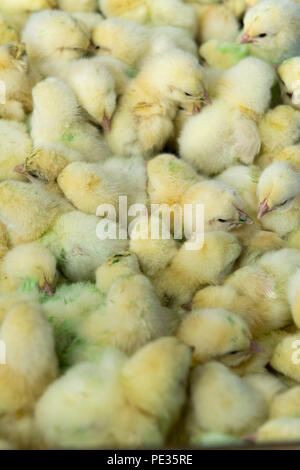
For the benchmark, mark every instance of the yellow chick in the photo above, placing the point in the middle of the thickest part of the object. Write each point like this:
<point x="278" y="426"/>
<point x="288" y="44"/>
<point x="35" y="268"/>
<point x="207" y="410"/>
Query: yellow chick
<point x="289" y="74"/>
<point x="88" y="20"/>
<point x="88" y="185"/>
<point x="260" y="242"/>
<point x="27" y="5"/>
<point x="233" y="137"/>
<point x="30" y="356"/>
<point x="131" y="404"/>
<point x="14" y="76"/>
<point x="270" y="386"/>
<point x="142" y="123"/>
<point x="56" y="119"/>
<point x="15" y="145"/>
<point x="293" y="296"/>
<point x="285" y="358"/>
<point x="28" y="263"/>
<point x="244" y="180"/>
<point x="213" y="333"/>
<point x="272" y="28"/>
<point x="72" y="6"/>
<point x="122" y="264"/>
<point x="279" y="198"/>
<point x="222" y="55"/>
<point x="191" y="269"/>
<point x="215" y="22"/>
<point x="132" y="316"/>
<point x="279" y="430"/>
<point x="7" y="32"/>
<point x="278" y="129"/>
<point x="153" y="12"/>
<point x="75" y="241"/>
<point x="132" y="42"/>
<point x="27" y="210"/>
<point x="238" y="408"/>
<point x="62" y="40"/>
<point x="238" y="7"/>
<point x="169" y="178"/>
<point x="224" y="209"/>
<point x="286" y="404"/>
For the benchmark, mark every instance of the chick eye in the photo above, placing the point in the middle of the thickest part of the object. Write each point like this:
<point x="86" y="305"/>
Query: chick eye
<point x="187" y="94"/>
<point x="262" y="35"/>
<point x="284" y="203"/>
<point x="222" y="221"/>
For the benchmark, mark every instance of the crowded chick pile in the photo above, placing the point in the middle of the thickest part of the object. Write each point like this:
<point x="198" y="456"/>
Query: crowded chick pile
<point x="140" y="341"/>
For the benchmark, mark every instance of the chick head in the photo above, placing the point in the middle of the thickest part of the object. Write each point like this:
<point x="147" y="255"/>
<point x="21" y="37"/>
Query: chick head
<point x="11" y="55"/>
<point x="177" y="77"/>
<point x="30" y="262"/>
<point x="124" y="40"/>
<point x="248" y="85"/>
<point x="278" y="189"/>
<point x="289" y="73"/>
<point x="54" y="35"/>
<point x="272" y="29"/>
<point x="223" y="207"/>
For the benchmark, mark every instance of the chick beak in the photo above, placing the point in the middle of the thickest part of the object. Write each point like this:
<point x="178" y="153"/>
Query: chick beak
<point x="47" y="288"/>
<point x="263" y="209"/>
<point x="243" y="217"/>
<point x="245" y="39"/>
<point x="20" y="169"/>
<point x="206" y="98"/>
<point x="196" y="108"/>
<point x="106" y="124"/>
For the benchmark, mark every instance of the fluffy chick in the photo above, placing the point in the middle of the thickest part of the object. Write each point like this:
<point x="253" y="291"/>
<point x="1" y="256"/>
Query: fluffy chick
<point x="28" y="262"/>
<point x="238" y="408"/>
<point x="129" y="404"/>
<point x="286" y="404"/>
<point x="72" y="6"/>
<point x="233" y="137"/>
<point x="132" y="42"/>
<point x="279" y="198"/>
<point x="285" y="357"/>
<point x="31" y="361"/>
<point x="293" y="296"/>
<point x="27" y="5"/>
<point x="7" y="32"/>
<point x="222" y="55"/>
<point x="153" y="12"/>
<point x="216" y="22"/>
<point x="56" y="119"/>
<point x="289" y="74"/>
<point x="119" y="265"/>
<point x="53" y="38"/>
<point x="15" y="144"/>
<point x="143" y="122"/>
<point x="272" y="28"/>
<point x="279" y="430"/>
<point x="213" y="333"/>
<point x="191" y="269"/>
<point x="28" y="210"/>
<point x="270" y="386"/>
<point x="73" y="239"/>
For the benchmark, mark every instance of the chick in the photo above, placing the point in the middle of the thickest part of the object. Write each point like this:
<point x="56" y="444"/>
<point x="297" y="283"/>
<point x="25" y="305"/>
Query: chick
<point x="222" y="55"/>
<point x="14" y="76"/>
<point x="279" y="198"/>
<point x="244" y="180"/>
<point x="53" y="38"/>
<point x="123" y="410"/>
<point x="286" y="404"/>
<point x="31" y="361"/>
<point x="279" y="430"/>
<point x="132" y="317"/>
<point x="293" y="296"/>
<point x="270" y="386"/>
<point x="285" y="357"/>
<point x="214" y="333"/>
<point x="72" y="6"/>
<point x="278" y="129"/>
<point x="7" y="32"/>
<point x="132" y="42"/>
<point x="119" y="265"/>
<point x="56" y="119"/>
<point x="15" y="145"/>
<point x="238" y="408"/>
<point x="233" y="137"/>
<point x="259" y="243"/>
<point x="143" y="122"/>
<point x="28" y="210"/>
<point x="73" y="239"/>
<point x="289" y="74"/>
<point x="169" y="178"/>
<point x="154" y="12"/>
<point x="272" y="28"/>
<point x="88" y="185"/>
<point x="88" y="20"/>
<point x="27" y="5"/>
<point x="191" y="269"/>
<point x="216" y="22"/>
<point x="224" y="209"/>
<point x="28" y="262"/>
